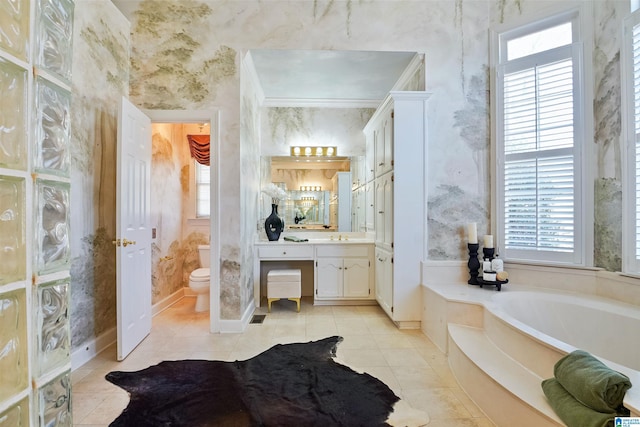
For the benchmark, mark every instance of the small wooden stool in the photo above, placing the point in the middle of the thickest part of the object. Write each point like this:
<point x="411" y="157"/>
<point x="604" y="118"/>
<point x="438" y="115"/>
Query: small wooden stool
<point x="284" y="284"/>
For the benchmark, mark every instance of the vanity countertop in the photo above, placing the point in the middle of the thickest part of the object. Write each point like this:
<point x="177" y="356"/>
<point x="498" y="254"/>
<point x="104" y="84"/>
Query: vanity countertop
<point x="321" y="238"/>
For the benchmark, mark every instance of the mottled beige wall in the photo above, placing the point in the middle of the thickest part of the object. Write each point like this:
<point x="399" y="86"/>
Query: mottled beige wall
<point x="100" y="77"/>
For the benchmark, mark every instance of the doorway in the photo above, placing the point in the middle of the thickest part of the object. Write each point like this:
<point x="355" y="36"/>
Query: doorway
<point x="197" y="122"/>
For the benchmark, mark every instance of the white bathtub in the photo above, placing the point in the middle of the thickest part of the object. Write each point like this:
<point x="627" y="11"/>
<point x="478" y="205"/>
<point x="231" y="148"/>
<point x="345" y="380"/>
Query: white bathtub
<point x="607" y="329"/>
<point x="604" y="328"/>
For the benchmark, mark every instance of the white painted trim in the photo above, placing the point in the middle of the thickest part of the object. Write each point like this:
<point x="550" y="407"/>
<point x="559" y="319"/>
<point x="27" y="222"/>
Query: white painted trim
<point x="253" y="76"/>
<point x="238" y="326"/>
<point x="409" y="72"/>
<point x="167" y="302"/>
<point x="214" y="118"/>
<point x="92" y="348"/>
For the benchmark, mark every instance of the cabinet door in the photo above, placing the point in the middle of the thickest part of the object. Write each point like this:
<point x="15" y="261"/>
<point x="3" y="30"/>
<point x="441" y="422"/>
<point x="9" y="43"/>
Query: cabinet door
<point x="384" y="144"/>
<point x="384" y="211"/>
<point x="356" y="278"/>
<point x="384" y="280"/>
<point x="369" y="207"/>
<point x="379" y="210"/>
<point x="329" y="278"/>
<point x="370" y="158"/>
<point x="387" y="190"/>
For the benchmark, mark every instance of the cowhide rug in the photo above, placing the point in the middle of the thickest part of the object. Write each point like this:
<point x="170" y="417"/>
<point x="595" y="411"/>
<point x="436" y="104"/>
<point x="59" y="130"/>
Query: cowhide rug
<point x="288" y="385"/>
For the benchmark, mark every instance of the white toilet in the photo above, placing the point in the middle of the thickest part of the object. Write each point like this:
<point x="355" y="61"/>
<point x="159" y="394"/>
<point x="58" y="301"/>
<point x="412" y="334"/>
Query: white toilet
<point x="199" y="280"/>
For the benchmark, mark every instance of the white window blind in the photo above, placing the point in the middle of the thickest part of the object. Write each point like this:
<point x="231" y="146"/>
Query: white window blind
<point x="631" y="91"/>
<point x="538" y="164"/>
<point x="203" y="191"/>
<point x="538" y="170"/>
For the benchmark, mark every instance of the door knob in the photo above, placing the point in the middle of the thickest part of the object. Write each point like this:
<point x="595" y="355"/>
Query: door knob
<point x="116" y="242"/>
<point x="126" y="242"/>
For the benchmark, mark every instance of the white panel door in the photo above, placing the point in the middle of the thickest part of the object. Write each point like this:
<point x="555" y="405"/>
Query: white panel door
<point x="133" y="234"/>
<point x="328" y="278"/>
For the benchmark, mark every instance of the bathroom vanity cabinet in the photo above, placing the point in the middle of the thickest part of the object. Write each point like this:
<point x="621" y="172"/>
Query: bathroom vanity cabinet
<point x="343" y="272"/>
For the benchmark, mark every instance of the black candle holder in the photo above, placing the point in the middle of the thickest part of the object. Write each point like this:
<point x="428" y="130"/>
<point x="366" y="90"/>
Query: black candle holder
<point x="488" y="253"/>
<point x="474" y="263"/>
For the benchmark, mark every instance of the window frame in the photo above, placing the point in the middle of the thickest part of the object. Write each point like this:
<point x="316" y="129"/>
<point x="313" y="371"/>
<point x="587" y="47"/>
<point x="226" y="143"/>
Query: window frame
<point x="197" y="184"/>
<point x="581" y="18"/>
<point x="630" y="262"/>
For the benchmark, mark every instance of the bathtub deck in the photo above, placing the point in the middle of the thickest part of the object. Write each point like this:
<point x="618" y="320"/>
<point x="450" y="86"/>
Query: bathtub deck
<point x="516" y="392"/>
<point x="497" y="365"/>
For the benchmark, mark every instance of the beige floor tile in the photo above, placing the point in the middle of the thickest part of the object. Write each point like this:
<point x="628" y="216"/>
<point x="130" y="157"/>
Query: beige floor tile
<point x="394" y="340"/>
<point x="408" y="357"/>
<point x="439" y="403"/>
<point x="405" y="360"/>
<point x="107" y="410"/>
<point x="361" y="359"/>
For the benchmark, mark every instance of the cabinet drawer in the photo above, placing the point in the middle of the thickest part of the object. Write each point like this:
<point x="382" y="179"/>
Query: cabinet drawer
<point x="286" y="252"/>
<point x="343" y="251"/>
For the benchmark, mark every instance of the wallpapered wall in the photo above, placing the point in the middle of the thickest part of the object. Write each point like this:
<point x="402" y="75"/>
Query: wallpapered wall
<point x="187" y="55"/>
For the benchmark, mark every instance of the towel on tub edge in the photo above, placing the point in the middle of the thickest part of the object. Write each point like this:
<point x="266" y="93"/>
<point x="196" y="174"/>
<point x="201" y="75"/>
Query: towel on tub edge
<point x="572" y="412"/>
<point x="591" y="382"/>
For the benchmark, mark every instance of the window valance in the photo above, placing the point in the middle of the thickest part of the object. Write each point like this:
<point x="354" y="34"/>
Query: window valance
<point x="199" y="148"/>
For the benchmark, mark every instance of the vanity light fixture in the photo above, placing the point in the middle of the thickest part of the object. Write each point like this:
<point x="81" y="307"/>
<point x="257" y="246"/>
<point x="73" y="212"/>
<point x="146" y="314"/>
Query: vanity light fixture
<point x="310" y="188"/>
<point x="318" y="151"/>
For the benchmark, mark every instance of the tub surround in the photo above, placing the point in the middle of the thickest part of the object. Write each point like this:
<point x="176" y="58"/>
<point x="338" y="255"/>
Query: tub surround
<point x="498" y="359"/>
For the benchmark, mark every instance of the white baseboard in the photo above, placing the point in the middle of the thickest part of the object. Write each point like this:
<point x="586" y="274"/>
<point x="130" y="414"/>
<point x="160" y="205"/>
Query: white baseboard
<point x="92" y="348"/>
<point x="160" y="306"/>
<point x="237" y="326"/>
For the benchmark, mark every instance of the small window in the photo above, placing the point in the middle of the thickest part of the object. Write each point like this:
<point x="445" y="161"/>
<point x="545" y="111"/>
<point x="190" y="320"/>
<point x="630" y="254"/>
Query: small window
<point x="203" y="191"/>
<point x="539" y="41"/>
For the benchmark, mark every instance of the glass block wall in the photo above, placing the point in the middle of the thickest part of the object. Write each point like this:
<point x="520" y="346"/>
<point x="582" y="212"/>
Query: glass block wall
<point x="35" y="83"/>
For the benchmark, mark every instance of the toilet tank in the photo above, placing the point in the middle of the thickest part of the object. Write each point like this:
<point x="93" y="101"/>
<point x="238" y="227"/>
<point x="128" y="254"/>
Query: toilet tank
<point x="203" y="254"/>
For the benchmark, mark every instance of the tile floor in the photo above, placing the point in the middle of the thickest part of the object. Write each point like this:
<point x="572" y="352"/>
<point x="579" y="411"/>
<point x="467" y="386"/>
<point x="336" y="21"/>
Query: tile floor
<point x="405" y="360"/>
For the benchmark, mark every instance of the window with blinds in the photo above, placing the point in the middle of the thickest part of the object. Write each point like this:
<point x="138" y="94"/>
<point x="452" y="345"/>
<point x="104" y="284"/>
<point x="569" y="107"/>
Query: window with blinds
<point x="203" y="191"/>
<point x="631" y="123"/>
<point x="538" y="150"/>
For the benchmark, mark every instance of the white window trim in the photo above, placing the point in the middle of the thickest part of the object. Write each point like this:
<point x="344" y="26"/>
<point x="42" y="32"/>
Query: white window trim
<point x="584" y="231"/>
<point x="192" y="217"/>
<point x="630" y="264"/>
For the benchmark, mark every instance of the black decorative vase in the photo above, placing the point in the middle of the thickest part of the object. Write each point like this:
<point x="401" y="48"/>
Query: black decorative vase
<point x="273" y="224"/>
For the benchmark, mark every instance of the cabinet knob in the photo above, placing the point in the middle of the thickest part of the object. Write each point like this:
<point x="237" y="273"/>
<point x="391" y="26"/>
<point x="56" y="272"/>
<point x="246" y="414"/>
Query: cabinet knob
<point x="284" y="252"/>
<point x="380" y="212"/>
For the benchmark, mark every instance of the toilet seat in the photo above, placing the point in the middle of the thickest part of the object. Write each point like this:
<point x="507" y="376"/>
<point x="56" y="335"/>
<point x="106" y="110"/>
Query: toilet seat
<point x="200" y="275"/>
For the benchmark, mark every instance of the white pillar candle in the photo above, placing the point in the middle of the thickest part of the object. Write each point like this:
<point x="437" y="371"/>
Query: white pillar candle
<point x="488" y="241"/>
<point x="473" y="232"/>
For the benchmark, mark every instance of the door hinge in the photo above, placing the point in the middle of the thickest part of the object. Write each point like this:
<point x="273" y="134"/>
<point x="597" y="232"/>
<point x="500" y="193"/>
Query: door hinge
<point x="316" y="263"/>
<point x="316" y="292"/>
<point x="369" y="291"/>
<point x="391" y="260"/>
<point x="392" y="309"/>
<point x="392" y="178"/>
<point x="393" y="114"/>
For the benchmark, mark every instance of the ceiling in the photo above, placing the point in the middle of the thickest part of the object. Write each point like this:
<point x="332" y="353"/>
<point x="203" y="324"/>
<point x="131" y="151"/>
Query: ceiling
<point x="362" y="78"/>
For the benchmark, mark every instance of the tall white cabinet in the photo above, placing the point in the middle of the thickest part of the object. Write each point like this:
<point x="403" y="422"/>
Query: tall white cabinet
<point x="397" y="133"/>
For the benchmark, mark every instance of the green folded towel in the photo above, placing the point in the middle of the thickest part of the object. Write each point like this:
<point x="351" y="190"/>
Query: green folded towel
<point x="591" y="382"/>
<point x="295" y="239"/>
<point x="572" y="412"/>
